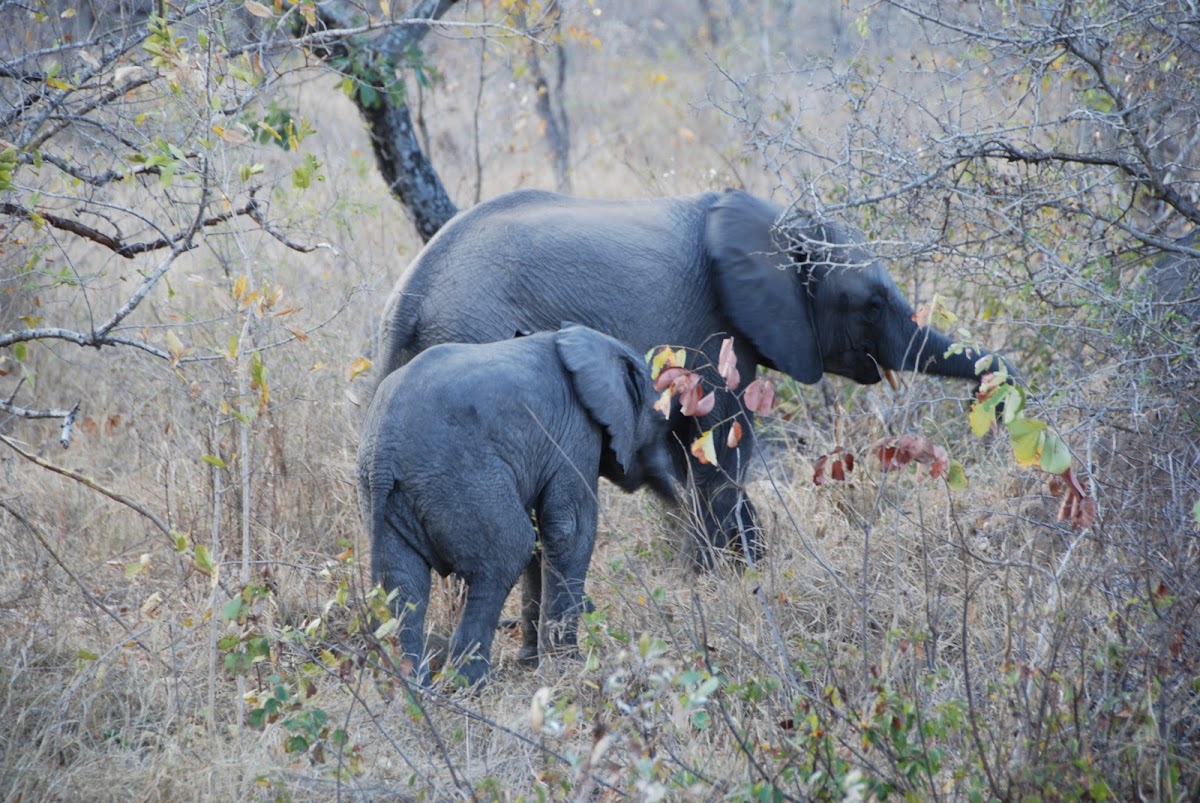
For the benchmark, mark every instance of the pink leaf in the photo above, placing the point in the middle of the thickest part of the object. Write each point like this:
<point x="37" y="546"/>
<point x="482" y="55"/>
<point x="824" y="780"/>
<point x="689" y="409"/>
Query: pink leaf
<point x="727" y="365"/>
<point x="693" y="402"/>
<point x="759" y="396"/>
<point x="669" y="375"/>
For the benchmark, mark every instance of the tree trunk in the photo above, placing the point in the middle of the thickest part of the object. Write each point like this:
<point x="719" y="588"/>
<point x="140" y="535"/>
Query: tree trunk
<point x="409" y="173"/>
<point x="549" y="104"/>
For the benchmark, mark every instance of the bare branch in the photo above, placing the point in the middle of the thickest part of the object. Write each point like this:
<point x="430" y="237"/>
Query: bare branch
<point x="179" y="241"/>
<point x="67" y="416"/>
<point x="133" y="505"/>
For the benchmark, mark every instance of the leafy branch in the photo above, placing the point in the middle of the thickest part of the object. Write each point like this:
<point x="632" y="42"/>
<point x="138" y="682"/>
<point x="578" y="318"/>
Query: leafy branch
<point x="677" y="382"/>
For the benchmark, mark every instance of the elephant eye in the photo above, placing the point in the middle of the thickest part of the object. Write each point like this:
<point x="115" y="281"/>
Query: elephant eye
<point x="874" y="312"/>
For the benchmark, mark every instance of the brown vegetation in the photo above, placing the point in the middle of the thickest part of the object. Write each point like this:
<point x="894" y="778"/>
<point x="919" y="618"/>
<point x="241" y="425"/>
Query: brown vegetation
<point x="900" y="638"/>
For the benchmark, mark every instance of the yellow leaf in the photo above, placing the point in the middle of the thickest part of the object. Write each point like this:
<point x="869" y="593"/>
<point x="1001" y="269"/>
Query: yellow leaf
<point x="176" y="348"/>
<point x="980" y="418"/>
<point x="151" y="605"/>
<point x="358" y="366"/>
<point x="240" y="286"/>
<point x="385" y="8"/>
<point x="666" y="357"/>
<point x="258" y="9"/>
<point x="703" y="450"/>
<point x="663" y="405"/>
<point x="232" y="136"/>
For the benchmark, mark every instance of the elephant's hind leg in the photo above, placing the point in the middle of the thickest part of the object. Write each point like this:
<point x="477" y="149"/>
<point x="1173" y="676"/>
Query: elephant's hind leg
<point x="509" y="541"/>
<point x="398" y="567"/>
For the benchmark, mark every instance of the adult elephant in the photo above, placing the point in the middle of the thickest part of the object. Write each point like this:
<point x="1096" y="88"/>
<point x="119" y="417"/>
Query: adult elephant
<point x="805" y="298"/>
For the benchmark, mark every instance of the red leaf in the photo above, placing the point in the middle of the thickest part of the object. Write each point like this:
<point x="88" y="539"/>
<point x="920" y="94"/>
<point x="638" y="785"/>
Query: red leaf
<point x="727" y="365"/>
<point x="759" y="396"/>
<point x="1077" y="506"/>
<point x="819" y="470"/>
<point x="839" y="462"/>
<point x="735" y="435"/>
<point x="896" y="452"/>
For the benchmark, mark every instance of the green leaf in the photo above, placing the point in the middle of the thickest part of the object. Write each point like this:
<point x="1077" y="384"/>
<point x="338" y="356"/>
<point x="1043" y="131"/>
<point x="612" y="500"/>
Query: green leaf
<point x="86" y="655"/>
<point x="295" y="744"/>
<point x="8" y="164"/>
<point x="203" y="559"/>
<point x="237" y="662"/>
<point x="1014" y="403"/>
<point x="1056" y="458"/>
<point x="302" y="176"/>
<point x="136" y="568"/>
<point x="181" y="541"/>
<point x="956" y="477"/>
<point x="232" y="610"/>
<point x="1196" y="512"/>
<point x="1027" y="435"/>
<point x="387" y="628"/>
<point x="20" y="351"/>
<point x="258" y="371"/>
<point x="213" y="460"/>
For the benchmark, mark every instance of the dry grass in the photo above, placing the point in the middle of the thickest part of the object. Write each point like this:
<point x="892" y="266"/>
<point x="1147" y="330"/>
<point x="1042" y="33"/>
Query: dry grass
<point x="1010" y="638"/>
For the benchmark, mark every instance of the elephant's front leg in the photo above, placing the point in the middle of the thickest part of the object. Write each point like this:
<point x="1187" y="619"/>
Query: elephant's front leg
<point x="568" y="530"/>
<point x="730" y="521"/>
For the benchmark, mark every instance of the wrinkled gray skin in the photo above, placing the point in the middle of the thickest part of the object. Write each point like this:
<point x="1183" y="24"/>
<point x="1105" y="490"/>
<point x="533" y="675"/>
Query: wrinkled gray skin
<point x="1175" y="281"/>
<point x="461" y="443"/>
<point x="681" y="271"/>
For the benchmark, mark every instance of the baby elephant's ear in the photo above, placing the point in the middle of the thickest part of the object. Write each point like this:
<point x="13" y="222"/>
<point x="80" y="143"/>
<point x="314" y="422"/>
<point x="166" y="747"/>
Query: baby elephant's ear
<point x="608" y="380"/>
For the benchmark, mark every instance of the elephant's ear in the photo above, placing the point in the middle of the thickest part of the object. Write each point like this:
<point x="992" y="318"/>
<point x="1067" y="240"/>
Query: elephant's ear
<point x="607" y="379"/>
<point x="758" y="285"/>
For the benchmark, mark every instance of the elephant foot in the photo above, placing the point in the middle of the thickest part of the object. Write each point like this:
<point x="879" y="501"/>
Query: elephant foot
<point x="437" y="647"/>
<point x="528" y="656"/>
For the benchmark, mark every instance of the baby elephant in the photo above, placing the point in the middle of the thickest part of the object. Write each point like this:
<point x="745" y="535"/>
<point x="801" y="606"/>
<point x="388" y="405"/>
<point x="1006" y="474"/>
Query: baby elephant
<point x="464" y="441"/>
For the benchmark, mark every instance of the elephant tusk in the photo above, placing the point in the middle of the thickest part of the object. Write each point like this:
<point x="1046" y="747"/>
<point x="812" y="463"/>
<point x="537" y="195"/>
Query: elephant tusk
<point x="891" y="378"/>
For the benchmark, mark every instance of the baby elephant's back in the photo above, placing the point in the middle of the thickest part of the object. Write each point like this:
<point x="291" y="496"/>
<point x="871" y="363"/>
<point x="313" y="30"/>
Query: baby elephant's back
<point x="456" y="398"/>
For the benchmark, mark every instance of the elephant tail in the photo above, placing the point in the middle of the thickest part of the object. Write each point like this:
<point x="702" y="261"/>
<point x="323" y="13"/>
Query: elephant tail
<point x="399" y="337"/>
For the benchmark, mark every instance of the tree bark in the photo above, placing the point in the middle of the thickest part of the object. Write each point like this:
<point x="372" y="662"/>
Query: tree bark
<point x="406" y="168"/>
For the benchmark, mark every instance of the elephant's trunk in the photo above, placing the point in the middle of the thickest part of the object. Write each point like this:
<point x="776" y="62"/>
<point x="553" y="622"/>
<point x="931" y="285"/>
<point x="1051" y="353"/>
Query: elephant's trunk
<point x="927" y="350"/>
